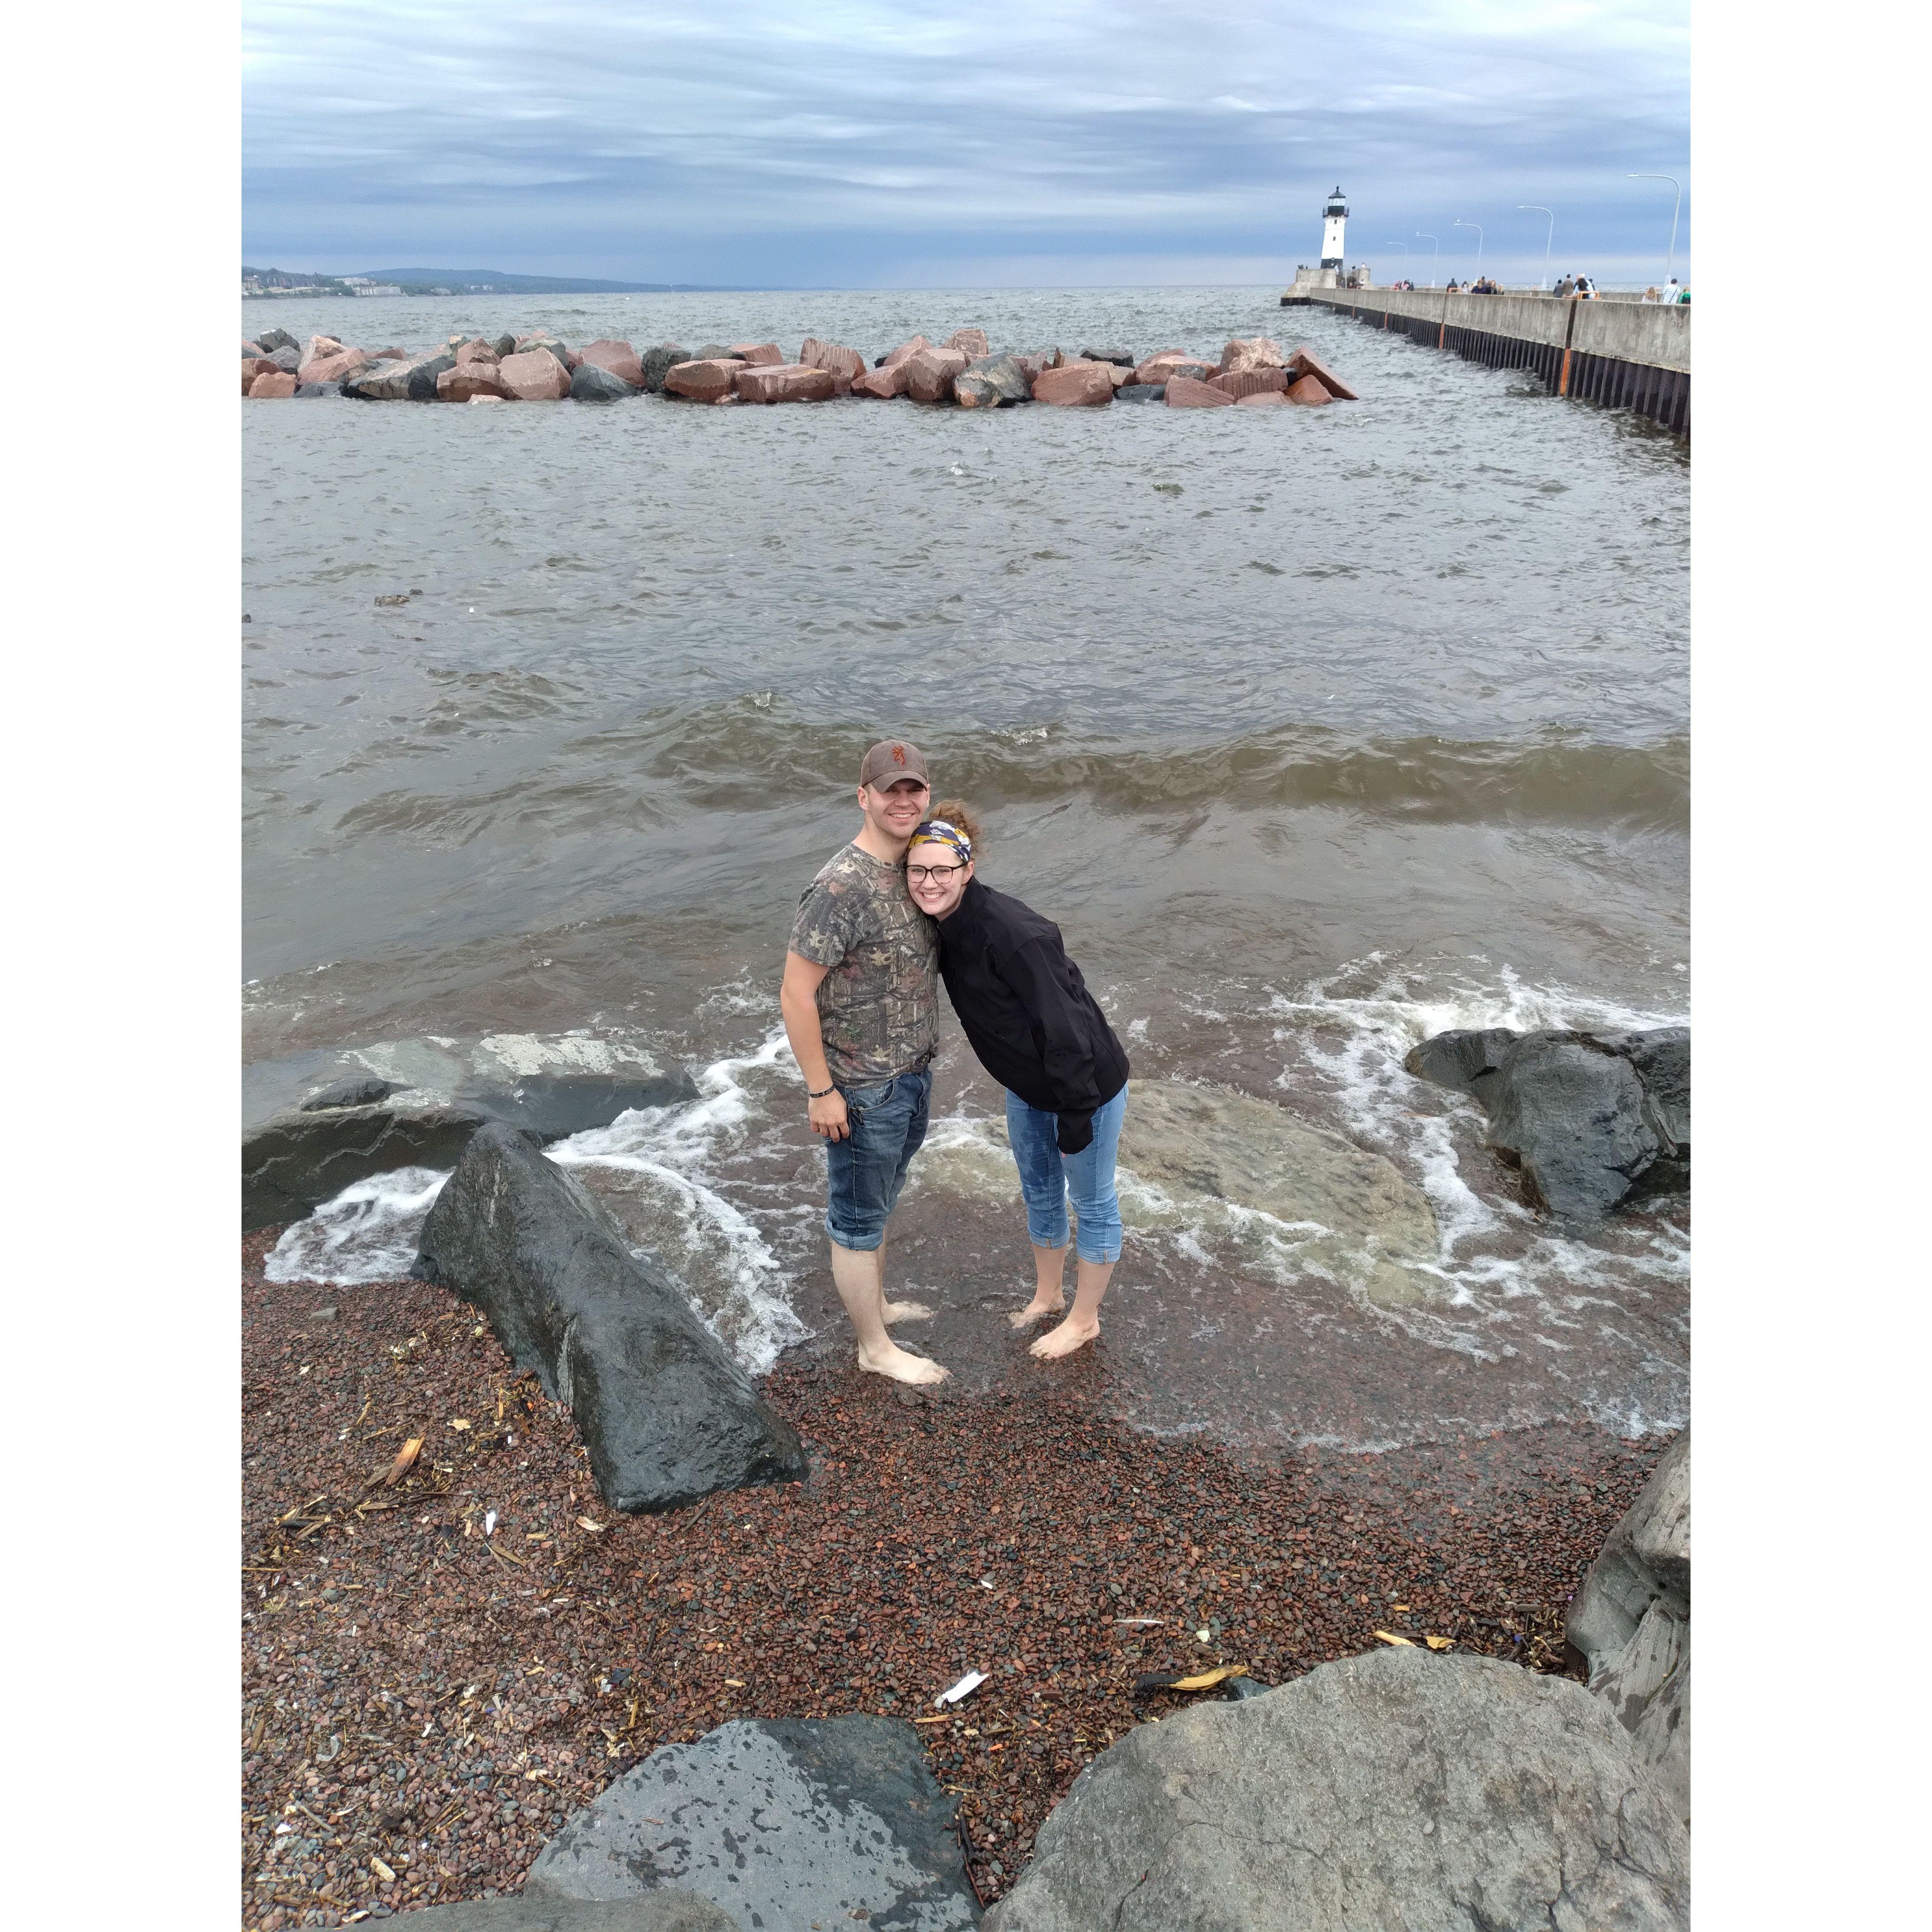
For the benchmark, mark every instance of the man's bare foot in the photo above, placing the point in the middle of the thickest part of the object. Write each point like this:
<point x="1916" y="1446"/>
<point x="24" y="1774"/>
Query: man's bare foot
<point x="1035" y="1310"/>
<point x="902" y="1367"/>
<point x="1064" y="1339"/>
<point x="907" y="1311"/>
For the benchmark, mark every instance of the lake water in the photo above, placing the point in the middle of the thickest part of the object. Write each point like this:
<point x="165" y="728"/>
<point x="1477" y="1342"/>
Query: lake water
<point x="1316" y="730"/>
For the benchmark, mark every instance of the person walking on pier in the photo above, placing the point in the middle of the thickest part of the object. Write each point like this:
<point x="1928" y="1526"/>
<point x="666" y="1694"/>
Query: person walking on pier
<point x="1567" y="286"/>
<point x="860" y="999"/>
<point x="1028" y="1016"/>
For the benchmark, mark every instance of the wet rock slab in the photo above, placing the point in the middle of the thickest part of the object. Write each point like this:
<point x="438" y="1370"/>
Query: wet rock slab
<point x="1398" y="1789"/>
<point x="784" y="1823"/>
<point x="666" y="1415"/>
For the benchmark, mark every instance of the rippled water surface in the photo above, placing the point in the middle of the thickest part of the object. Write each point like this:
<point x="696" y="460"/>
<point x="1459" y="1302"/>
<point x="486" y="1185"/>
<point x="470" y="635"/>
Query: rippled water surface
<point x="1315" y="730"/>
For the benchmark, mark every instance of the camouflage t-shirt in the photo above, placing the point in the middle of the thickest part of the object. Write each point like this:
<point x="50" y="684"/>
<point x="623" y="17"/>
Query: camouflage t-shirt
<point x="878" y="1007"/>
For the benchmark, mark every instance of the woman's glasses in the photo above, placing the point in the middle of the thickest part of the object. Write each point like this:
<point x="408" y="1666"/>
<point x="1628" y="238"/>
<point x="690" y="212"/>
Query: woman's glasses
<point x="917" y="875"/>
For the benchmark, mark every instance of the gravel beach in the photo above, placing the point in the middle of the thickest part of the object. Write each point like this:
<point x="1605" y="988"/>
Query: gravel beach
<point x="438" y="1668"/>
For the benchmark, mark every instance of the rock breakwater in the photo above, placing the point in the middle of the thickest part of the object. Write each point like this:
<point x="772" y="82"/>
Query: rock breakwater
<point x="963" y="371"/>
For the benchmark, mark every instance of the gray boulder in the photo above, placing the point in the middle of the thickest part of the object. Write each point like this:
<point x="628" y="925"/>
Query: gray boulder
<point x="1592" y="1119"/>
<point x="1398" y="1790"/>
<point x="504" y="345"/>
<point x="666" y="1911"/>
<point x="655" y="360"/>
<point x="319" y="389"/>
<point x="666" y="1415"/>
<point x="287" y="359"/>
<point x="1119" y="358"/>
<point x="363" y="1091"/>
<point x="1632" y="1620"/>
<point x="294" y="1161"/>
<point x="413" y="381"/>
<point x="716" y="352"/>
<point x="1141" y="392"/>
<point x="786" y="1822"/>
<point x="275" y="339"/>
<point x="590" y="384"/>
<point x="990" y="382"/>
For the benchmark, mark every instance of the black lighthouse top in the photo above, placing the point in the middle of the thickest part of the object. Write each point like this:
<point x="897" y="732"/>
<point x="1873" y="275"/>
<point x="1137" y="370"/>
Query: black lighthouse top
<point x="1337" y="206"/>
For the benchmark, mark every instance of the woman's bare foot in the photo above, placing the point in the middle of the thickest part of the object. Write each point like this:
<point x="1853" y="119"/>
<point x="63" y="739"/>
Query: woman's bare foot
<point x="902" y="1367"/>
<point x="1064" y="1339"/>
<point x="906" y="1311"/>
<point x="1036" y="1310"/>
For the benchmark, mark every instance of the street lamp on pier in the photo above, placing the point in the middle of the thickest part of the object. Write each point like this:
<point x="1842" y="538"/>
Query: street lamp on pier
<point x="1537" y="207"/>
<point x="1670" y="268"/>
<point x="1434" y="260"/>
<point x="1478" y="226"/>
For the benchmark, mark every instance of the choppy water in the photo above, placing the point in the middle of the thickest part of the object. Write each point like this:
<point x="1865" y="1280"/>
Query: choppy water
<point x="1315" y="731"/>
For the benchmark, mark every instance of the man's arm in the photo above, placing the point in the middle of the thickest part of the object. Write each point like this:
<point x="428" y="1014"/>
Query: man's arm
<point x="798" y="1001"/>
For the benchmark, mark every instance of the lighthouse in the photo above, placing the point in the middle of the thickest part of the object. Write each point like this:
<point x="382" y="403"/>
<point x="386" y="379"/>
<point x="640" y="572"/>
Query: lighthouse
<point x="1333" y="216"/>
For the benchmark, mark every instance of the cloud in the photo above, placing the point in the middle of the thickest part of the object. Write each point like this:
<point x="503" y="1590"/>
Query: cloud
<point x="841" y="145"/>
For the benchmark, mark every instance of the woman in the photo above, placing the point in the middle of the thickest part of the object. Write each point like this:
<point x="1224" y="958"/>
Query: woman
<point x="1037" y="1030"/>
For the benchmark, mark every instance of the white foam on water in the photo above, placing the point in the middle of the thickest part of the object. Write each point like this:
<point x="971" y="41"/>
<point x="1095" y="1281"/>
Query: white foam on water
<point x="368" y="1232"/>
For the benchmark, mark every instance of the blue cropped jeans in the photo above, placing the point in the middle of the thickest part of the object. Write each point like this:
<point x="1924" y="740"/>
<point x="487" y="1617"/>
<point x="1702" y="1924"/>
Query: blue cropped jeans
<point x="1047" y="1178"/>
<point x="866" y="1170"/>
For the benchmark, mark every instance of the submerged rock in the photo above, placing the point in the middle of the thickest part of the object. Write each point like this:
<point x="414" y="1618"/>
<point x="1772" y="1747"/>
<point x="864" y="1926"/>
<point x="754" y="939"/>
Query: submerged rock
<point x="656" y="360"/>
<point x="708" y="379"/>
<point x="1308" y="391"/>
<point x="666" y="1415"/>
<point x="785" y="382"/>
<point x="468" y="380"/>
<point x="789" y="1822"/>
<point x="992" y="382"/>
<point x="1304" y="361"/>
<point x="1141" y="392"/>
<point x="355" y="1091"/>
<point x="1075" y="386"/>
<point x="589" y="383"/>
<point x="1399" y="1789"/>
<point x="1632" y="1620"/>
<point x="1240" y="383"/>
<point x="619" y="358"/>
<point x="1186" y="392"/>
<point x="390" y="381"/>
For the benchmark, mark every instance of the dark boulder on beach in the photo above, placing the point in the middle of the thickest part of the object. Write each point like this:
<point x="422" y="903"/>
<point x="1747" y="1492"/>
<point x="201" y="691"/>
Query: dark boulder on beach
<point x="292" y="1162"/>
<point x="1119" y="358"/>
<point x="1395" y="1789"/>
<point x="787" y="1822"/>
<point x="991" y="382"/>
<point x="412" y="380"/>
<point x="666" y="1415"/>
<point x="504" y="345"/>
<point x="656" y="361"/>
<point x="1594" y="1120"/>
<point x="1632" y="1620"/>
<point x="274" y="339"/>
<point x="355" y="1091"/>
<point x="590" y="384"/>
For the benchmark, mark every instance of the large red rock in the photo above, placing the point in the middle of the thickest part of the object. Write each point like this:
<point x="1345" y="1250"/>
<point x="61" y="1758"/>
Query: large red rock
<point x="1240" y="383"/>
<point x="1305" y="362"/>
<point x="335" y="368"/>
<point x="619" y="359"/>
<point x="1074" y="385"/>
<point x="1037" y="362"/>
<point x="973" y="341"/>
<point x="905" y="352"/>
<point x="1254" y="352"/>
<point x="251" y="349"/>
<point x="929" y="374"/>
<point x="390" y="355"/>
<point x="784" y="382"/>
<point x="530" y="375"/>
<point x="1309" y="389"/>
<point x="1183" y="392"/>
<point x="1272" y="399"/>
<point x="478" y="351"/>
<point x="702" y="382"/>
<point x="321" y="349"/>
<point x="1118" y="374"/>
<point x="468" y="380"/>
<point x="845" y="366"/>
<point x="252" y="366"/>
<point x="760" y="354"/>
<point x="278" y="382"/>
<point x="885" y="383"/>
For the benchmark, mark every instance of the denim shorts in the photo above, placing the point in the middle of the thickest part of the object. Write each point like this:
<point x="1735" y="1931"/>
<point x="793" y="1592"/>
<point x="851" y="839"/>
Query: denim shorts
<point x="1048" y="1178"/>
<point x="866" y="1170"/>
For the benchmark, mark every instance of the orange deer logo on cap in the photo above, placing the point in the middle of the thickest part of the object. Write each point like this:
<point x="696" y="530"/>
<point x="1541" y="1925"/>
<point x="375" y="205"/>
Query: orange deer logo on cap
<point x="898" y="754"/>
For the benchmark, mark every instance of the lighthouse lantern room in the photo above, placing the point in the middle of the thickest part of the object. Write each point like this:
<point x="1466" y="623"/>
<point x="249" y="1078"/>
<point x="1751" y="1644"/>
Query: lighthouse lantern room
<point x="1333" y="216"/>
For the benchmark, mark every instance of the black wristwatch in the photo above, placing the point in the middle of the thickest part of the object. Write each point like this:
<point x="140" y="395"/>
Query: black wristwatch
<point x="811" y="1096"/>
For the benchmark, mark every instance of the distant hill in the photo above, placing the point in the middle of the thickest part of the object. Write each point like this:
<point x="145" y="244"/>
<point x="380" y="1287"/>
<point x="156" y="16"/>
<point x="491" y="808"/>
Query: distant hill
<point x="493" y="281"/>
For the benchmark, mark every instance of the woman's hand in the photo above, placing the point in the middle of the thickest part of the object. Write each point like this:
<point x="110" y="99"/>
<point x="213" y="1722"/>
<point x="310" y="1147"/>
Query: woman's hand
<point x="828" y="1116"/>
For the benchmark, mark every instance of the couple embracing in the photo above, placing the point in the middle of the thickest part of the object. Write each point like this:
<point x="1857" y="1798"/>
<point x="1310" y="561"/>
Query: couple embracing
<point x="896" y="910"/>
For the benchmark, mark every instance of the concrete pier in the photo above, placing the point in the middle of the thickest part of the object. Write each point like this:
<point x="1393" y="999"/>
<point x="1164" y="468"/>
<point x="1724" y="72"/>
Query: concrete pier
<point x="1627" y="356"/>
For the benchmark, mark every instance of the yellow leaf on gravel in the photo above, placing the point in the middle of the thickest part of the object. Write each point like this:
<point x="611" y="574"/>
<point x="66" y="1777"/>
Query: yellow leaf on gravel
<point x="595" y="1529"/>
<point x="405" y="1460"/>
<point x="459" y="1422"/>
<point x="1388" y="1636"/>
<point x="1206" y="1680"/>
<point x="1440" y="1642"/>
<point x="381" y="1871"/>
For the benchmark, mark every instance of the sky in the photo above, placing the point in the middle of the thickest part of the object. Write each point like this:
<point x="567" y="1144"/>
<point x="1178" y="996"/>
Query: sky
<point x="1051" y="144"/>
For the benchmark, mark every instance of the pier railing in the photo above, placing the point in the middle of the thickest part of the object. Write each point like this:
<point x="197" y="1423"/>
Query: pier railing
<point x="1621" y="355"/>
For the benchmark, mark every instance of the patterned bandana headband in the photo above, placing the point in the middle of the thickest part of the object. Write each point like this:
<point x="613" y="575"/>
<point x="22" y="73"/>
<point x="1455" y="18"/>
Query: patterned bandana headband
<point x="941" y="832"/>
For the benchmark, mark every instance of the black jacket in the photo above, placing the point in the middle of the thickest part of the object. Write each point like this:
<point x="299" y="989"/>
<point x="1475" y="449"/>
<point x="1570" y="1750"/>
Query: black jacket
<point x="1027" y="1012"/>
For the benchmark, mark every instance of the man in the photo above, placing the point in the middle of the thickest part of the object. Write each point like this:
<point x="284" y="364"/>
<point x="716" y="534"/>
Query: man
<point x="860" y="1001"/>
<point x="1672" y="293"/>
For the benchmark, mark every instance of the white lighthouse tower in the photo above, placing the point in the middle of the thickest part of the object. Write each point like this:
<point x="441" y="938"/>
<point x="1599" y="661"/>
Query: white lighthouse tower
<point x="1333" y="217"/>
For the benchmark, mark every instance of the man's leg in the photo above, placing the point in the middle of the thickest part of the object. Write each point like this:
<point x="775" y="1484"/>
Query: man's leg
<point x="1029" y="1133"/>
<point x="864" y="1171"/>
<point x="899" y="1311"/>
